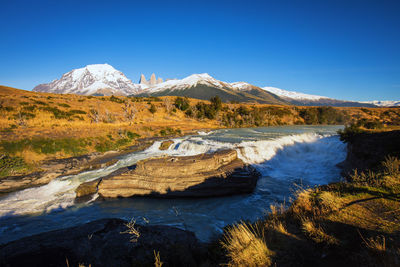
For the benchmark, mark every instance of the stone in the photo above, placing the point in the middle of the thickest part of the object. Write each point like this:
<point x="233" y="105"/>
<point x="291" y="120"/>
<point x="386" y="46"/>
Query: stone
<point x="217" y="174"/>
<point x="88" y="188"/>
<point x="105" y="243"/>
<point x="165" y="145"/>
<point x="159" y="80"/>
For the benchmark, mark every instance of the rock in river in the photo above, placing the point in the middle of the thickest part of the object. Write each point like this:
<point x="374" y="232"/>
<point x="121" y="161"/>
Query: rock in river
<point x="217" y="174"/>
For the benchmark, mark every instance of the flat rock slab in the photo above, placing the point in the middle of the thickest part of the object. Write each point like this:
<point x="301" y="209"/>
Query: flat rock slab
<point x="206" y="175"/>
<point x="104" y="243"/>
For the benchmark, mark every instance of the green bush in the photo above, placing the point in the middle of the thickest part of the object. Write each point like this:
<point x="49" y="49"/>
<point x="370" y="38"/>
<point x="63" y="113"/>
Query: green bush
<point x="64" y="105"/>
<point x="40" y="103"/>
<point x="12" y="165"/>
<point x="116" y="100"/>
<point x="153" y="109"/>
<point x="132" y="135"/>
<point x="348" y="133"/>
<point x="182" y="103"/>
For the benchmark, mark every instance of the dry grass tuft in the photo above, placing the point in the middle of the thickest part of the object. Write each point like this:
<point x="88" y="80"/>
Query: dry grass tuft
<point x="391" y="165"/>
<point x="157" y="259"/>
<point x="245" y="246"/>
<point x="134" y="232"/>
<point x="317" y="233"/>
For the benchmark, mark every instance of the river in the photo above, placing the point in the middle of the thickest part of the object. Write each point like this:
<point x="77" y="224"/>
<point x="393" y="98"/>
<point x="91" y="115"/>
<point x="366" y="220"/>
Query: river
<point x="288" y="157"/>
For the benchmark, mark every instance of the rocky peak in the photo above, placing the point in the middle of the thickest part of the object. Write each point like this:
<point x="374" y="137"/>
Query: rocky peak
<point x="143" y="79"/>
<point x="153" y="80"/>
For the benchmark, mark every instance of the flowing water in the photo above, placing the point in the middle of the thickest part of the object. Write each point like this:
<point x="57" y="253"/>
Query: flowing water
<point x="287" y="157"/>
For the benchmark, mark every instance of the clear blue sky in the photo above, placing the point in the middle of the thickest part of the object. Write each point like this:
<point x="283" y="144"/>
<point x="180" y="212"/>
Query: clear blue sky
<point x="341" y="49"/>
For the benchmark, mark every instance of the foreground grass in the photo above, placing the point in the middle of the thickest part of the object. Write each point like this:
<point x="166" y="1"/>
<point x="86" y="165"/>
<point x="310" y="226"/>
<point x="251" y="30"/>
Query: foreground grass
<point x="343" y="224"/>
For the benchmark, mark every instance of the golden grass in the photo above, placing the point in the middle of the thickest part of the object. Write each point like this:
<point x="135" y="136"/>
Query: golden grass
<point x="245" y="246"/>
<point x="157" y="259"/>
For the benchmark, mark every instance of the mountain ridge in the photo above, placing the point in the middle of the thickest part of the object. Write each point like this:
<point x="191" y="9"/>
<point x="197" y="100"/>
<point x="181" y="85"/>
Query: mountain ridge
<point x="103" y="79"/>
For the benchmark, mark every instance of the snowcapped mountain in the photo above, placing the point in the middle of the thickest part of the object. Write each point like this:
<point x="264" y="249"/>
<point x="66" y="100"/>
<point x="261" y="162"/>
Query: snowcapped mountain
<point x="302" y="99"/>
<point x="292" y="94"/>
<point x="387" y="103"/>
<point x="103" y="79"/>
<point x="96" y="79"/>
<point x="203" y="86"/>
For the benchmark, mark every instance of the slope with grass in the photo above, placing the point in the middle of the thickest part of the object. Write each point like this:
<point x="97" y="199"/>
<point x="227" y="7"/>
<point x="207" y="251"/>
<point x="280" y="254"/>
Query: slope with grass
<point x="355" y="223"/>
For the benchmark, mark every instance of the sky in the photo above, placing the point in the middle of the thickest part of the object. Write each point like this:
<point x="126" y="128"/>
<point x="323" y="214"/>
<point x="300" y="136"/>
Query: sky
<point x="341" y="49"/>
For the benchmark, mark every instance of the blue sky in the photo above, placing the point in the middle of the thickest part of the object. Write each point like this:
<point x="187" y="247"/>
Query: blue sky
<point x="341" y="49"/>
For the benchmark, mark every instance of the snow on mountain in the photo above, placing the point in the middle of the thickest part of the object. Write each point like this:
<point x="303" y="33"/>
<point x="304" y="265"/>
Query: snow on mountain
<point x="293" y="94"/>
<point x="92" y="79"/>
<point x="190" y="81"/>
<point x="242" y="86"/>
<point x="387" y="103"/>
<point x="196" y="79"/>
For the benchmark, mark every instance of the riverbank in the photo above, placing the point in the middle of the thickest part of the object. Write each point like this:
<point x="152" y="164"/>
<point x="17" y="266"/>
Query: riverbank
<point x="353" y="223"/>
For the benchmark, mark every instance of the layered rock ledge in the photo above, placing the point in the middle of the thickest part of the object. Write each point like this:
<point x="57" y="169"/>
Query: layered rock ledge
<point x="217" y="174"/>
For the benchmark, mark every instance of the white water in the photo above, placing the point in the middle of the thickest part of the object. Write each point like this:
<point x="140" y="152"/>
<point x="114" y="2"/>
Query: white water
<point x="284" y="155"/>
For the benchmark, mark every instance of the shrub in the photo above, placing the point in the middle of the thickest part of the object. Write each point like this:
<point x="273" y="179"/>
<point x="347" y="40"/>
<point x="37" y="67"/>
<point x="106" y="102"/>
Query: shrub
<point x="216" y="102"/>
<point x="40" y="103"/>
<point x="116" y="100"/>
<point x="391" y="165"/>
<point x="132" y="135"/>
<point x="11" y="165"/>
<point x="348" y="133"/>
<point x="182" y="103"/>
<point x="64" y="105"/>
<point x="153" y="109"/>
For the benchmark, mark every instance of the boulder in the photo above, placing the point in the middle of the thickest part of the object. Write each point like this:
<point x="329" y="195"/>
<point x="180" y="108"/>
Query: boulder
<point x="166" y="144"/>
<point x="88" y="188"/>
<point x="206" y="175"/>
<point x="105" y="243"/>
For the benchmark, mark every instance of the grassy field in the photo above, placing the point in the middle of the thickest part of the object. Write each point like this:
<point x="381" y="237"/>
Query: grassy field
<point x="40" y="126"/>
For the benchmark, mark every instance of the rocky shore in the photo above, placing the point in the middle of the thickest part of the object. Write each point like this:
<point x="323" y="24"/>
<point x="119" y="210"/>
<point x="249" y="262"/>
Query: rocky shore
<point x="206" y="175"/>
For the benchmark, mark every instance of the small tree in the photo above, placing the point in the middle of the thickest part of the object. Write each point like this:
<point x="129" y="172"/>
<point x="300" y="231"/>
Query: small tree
<point x="153" y="109"/>
<point x="216" y="102"/>
<point x="182" y="103"/>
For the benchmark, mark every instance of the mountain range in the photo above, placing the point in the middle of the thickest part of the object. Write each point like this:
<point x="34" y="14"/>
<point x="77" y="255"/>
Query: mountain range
<point x="103" y="79"/>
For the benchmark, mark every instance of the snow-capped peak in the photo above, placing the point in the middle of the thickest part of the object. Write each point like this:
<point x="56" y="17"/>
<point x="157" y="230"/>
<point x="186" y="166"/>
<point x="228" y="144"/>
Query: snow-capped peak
<point x="293" y="94"/>
<point x="190" y="81"/>
<point x="384" y="103"/>
<point x="92" y="79"/>
<point x="242" y="86"/>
